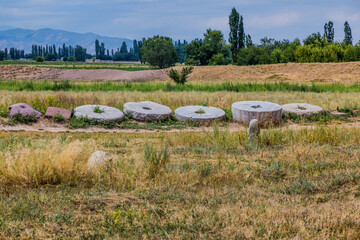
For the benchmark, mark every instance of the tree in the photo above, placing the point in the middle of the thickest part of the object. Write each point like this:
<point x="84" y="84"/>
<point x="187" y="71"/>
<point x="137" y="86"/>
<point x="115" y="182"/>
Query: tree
<point x="311" y="39"/>
<point x="50" y="57"/>
<point x="241" y="33"/>
<point x="80" y="53"/>
<point x="123" y="48"/>
<point x="234" y="29"/>
<point x="329" y="32"/>
<point x="248" y="41"/>
<point x="2" y="55"/>
<point x="97" y="48"/>
<point x="348" y="35"/>
<point x="159" y="51"/>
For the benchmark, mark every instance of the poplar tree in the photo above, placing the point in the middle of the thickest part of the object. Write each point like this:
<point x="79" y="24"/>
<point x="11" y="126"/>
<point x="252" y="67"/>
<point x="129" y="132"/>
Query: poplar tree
<point x="348" y="35"/>
<point x="234" y="30"/>
<point x="329" y="32"/>
<point x="241" y="33"/>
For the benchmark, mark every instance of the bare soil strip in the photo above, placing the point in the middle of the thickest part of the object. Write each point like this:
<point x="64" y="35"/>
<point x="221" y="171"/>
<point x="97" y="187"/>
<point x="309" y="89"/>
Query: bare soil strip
<point x="47" y="126"/>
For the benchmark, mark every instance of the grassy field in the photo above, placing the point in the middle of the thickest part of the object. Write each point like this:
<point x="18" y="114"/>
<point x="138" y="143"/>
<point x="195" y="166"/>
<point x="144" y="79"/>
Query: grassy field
<point x="295" y="182"/>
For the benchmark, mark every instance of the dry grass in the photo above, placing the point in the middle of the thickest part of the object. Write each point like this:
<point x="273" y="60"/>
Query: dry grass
<point x="42" y="100"/>
<point x="346" y="73"/>
<point x="298" y="184"/>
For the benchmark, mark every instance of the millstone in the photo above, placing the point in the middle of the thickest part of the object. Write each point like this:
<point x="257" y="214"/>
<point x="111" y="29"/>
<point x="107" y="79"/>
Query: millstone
<point x="199" y="113"/>
<point x="147" y="111"/>
<point x="108" y="114"/>
<point x="24" y="110"/>
<point x="302" y="109"/>
<point x="97" y="158"/>
<point x="264" y="112"/>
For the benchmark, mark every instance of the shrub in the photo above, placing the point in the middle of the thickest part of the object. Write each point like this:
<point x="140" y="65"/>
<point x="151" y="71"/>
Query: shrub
<point x="71" y="59"/>
<point x="59" y="118"/>
<point x="217" y="59"/>
<point x="18" y="118"/>
<point x="50" y="57"/>
<point x="98" y="110"/>
<point x="39" y="59"/>
<point x="180" y="78"/>
<point x="156" y="159"/>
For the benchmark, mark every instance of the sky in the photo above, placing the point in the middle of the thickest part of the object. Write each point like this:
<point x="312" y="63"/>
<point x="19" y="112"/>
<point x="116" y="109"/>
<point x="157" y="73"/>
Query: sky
<point x="183" y="19"/>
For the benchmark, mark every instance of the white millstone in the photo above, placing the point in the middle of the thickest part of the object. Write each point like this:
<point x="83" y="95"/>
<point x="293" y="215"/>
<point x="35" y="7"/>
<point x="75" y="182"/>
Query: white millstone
<point x="302" y="109"/>
<point x="264" y="112"/>
<point x="97" y="158"/>
<point x="193" y="113"/>
<point x="147" y="111"/>
<point x="109" y="114"/>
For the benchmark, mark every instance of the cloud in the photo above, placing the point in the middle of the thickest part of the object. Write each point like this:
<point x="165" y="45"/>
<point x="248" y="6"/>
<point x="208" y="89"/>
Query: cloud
<point x="275" y="20"/>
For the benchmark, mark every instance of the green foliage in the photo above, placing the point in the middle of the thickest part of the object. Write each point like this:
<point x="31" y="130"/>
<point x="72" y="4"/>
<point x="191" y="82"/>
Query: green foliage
<point x="59" y="118"/>
<point x="71" y="59"/>
<point x="18" y="118"/>
<point x="2" y="55"/>
<point x="156" y="160"/>
<point x="201" y="51"/>
<point x="348" y="35"/>
<point x="39" y="59"/>
<point x="218" y="59"/>
<point x="329" y="32"/>
<point x="50" y="57"/>
<point x="159" y="52"/>
<point x="98" y="110"/>
<point x="180" y="78"/>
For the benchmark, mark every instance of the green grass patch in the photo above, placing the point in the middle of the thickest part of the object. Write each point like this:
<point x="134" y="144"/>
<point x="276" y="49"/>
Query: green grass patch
<point x="14" y="85"/>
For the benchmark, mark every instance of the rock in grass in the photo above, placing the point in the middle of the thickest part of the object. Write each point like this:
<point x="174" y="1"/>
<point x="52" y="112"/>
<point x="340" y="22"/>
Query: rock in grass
<point x="254" y="131"/>
<point x="24" y="110"/>
<point x="199" y="113"/>
<point x="52" y="111"/>
<point x="99" y="113"/>
<point x="264" y="112"/>
<point x="96" y="159"/>
<point x="302" y="109"/>
<point x="147" y="111"/>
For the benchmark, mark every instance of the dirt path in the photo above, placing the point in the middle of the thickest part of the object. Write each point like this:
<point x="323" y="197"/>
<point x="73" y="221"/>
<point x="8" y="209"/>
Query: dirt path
<point x="47" y="126"/>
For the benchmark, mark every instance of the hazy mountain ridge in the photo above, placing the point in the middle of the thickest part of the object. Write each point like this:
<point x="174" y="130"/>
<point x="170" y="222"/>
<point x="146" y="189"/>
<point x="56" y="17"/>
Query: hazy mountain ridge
<point x="25" y="38"/>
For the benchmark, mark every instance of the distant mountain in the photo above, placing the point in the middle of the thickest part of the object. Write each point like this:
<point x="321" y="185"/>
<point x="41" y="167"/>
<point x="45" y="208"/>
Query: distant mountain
<point x="24" y="38"/>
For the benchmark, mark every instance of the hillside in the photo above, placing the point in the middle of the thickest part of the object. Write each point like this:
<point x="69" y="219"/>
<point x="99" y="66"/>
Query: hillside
<point x="24" y="38"/>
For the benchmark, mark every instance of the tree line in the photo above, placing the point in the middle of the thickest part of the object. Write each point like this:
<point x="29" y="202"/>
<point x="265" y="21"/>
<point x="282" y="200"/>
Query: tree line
<point x="212" y="49"/>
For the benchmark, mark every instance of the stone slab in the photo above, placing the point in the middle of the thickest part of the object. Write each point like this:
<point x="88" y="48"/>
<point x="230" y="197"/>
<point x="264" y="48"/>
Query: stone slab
<point x="97" y="158"/>
<point x="191" y="113"/>
<point x="109" y="114"/>
<point x="264" y="112"/>
<point x="23" y="109"/>
<point x="52" y="111"/>
<point x="147" y="111"/>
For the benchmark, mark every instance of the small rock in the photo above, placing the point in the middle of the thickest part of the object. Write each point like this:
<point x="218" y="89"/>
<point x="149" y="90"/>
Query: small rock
<point x="97" y="158"/>
<point x="52" y="111"/>
<point x="254" y="131"/>
<point x="24" y="110"/>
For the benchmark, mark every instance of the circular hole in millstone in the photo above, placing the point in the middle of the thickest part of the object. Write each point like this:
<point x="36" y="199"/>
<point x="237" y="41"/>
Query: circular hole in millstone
<point x="146" y="108"/>
<point x="256" y="106"/>
<point x="301" y="108"/>
<point x="200" y="111"/>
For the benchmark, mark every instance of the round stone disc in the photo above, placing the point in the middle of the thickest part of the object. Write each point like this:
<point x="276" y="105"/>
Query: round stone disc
<point x="147" y="111"/>
<point x="108" y="114"/>
<point x="199" y="113"/>
<point x="302" y="109"/>
<point x="264" y="112"/>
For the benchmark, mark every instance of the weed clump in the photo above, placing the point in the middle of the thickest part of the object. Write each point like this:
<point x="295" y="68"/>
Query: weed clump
<point x="180" y="78"/>
<point x="156" y="159"/>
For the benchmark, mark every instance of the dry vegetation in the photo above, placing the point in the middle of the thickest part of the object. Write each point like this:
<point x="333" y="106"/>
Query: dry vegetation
<point x="295" y="183"/>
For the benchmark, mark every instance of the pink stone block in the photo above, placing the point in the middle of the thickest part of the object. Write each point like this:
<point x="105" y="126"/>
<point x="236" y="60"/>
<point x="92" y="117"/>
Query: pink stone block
<point x="23" y="109"/>
<point x="51" y="111"/>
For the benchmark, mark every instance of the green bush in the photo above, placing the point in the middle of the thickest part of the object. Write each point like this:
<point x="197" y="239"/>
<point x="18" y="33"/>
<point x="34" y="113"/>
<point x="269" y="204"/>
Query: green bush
<point x="39" y="59"/>
<point x="180" y="78"/>
<point x="156" y="160"/>
<point x="217" y="59"/>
